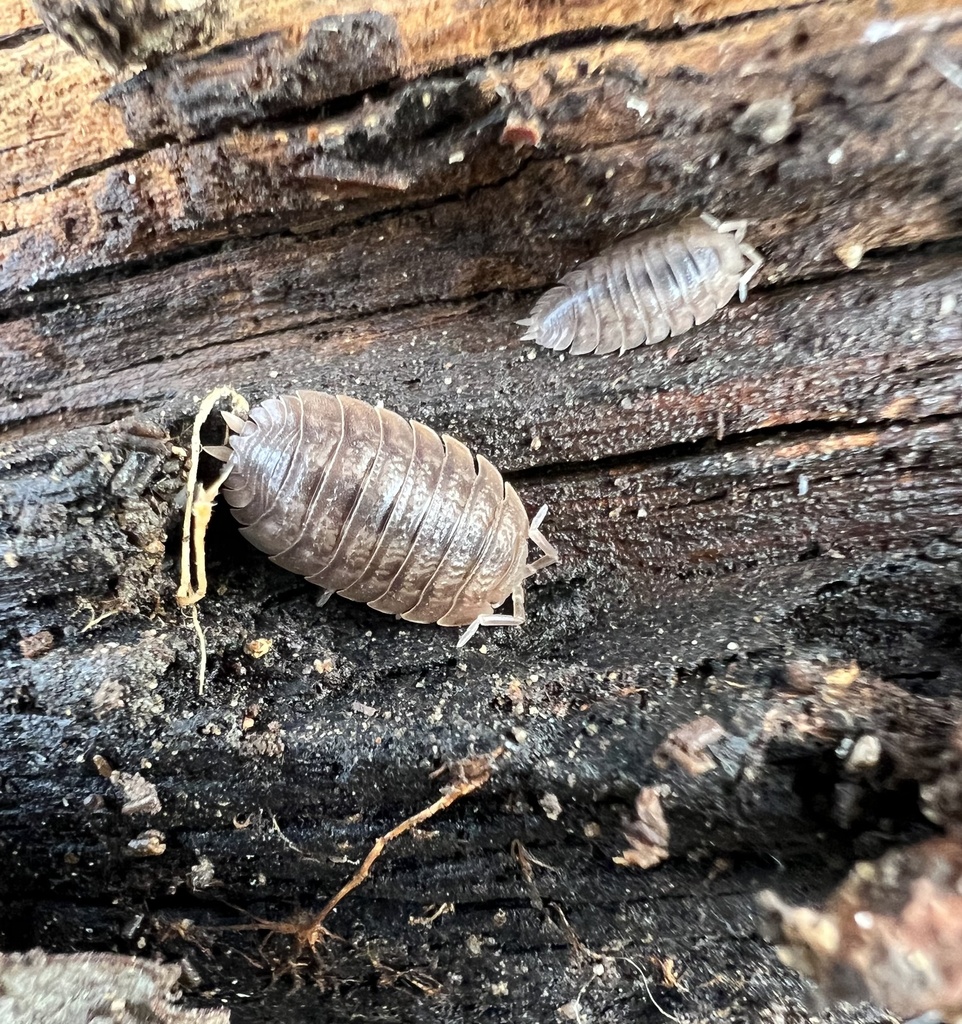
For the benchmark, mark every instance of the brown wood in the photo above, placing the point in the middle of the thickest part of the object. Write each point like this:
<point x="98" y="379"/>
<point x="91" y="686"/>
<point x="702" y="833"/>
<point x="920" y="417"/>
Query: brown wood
<point x="743" y="513"/>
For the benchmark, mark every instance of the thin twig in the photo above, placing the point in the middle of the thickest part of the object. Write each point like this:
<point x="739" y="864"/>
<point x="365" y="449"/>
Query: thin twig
<point x="475" y="772"/>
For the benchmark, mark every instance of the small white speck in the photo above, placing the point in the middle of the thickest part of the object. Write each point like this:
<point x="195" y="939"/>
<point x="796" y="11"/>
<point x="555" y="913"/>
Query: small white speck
<point x="947" y="306"/>
<point x="732" y="646"/>
<point x="802" y="485"/>
<point x="638" y="104"/>
<point x="879" y="30"/>
<point x="456" y="157"/>
<point x="864" y="919"/>
<point x="835" y="157"/>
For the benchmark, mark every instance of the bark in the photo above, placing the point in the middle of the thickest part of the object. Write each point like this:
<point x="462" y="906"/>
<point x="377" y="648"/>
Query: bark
<point x="758" y="521"/>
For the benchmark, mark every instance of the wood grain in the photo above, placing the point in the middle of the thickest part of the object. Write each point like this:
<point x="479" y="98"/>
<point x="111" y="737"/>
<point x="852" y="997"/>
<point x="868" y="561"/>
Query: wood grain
<point x="742" y="512"/>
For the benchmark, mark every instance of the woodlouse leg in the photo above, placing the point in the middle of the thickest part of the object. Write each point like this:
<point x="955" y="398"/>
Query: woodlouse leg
<point x="325" y="597"/>
<point x="736" y="227"/>
<point x="549" y="557"/>
<point x="233" y="421"/>
<point x="219" y="451"/>
<point x="755" y="261"/>
<point x="549" y="554"/>
<point x="499" y="618"/>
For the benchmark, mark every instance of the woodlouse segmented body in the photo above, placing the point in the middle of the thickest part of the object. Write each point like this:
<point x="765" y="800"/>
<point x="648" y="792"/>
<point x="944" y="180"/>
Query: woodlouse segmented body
<point x="658" y="282"/>
<point x="380" y="509"/>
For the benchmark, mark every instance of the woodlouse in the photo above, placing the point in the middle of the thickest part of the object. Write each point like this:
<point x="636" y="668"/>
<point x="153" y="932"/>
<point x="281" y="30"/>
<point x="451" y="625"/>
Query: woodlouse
<point x="376" y="508"/>
<point x="658" y="282"/>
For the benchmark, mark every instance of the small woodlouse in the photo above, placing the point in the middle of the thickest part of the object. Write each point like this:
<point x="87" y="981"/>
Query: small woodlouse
<point x="378" y="509"/>
<point x="658" y="282"/>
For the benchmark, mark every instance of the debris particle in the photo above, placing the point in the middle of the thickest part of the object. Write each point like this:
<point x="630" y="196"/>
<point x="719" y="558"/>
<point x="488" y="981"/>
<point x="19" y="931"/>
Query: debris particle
<point x="551" y="806"/>
<point x="638" y="104"/>
<point x="864" y="755"/>
<point x="258" y="648"/>
<point x="150" y="843"/>
<point x="202" y="874"/>
<point x="108" y="697"/>
<point x="767" y="120"/>
<point x="266" y="742"/>
<point x="37" y="644"/>
<point x="520" y="130"/>
<point x="891" y="933"/>
<point x="850" y="253"/>
<point x="688" y="746"/>
<point x="139" y="795"/>
<point x="841" y="678"/>
<point x="648" y="834"/>
<point x="431" y="914"/>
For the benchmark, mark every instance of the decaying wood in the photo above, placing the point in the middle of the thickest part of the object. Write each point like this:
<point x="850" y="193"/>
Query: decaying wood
<point x="756" y="618"/>
<point x="891" y="933"/>
<point x="39" y="989"/>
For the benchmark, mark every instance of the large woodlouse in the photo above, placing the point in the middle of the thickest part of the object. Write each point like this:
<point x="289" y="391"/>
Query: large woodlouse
<point x="658" y="282"/>
<point x="379" y="509"/>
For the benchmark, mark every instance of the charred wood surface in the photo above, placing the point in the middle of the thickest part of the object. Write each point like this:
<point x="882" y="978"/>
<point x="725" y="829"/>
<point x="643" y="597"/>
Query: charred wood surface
<point x="759" y="521"/>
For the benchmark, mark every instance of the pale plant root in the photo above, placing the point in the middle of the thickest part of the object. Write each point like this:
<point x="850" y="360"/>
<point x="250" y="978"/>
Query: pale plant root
<point x="198" y="506"/>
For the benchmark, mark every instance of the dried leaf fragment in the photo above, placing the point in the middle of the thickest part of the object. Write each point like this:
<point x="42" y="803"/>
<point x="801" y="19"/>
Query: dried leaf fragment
<point x="648" y="834"/>
<point x="688" y="746"/>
